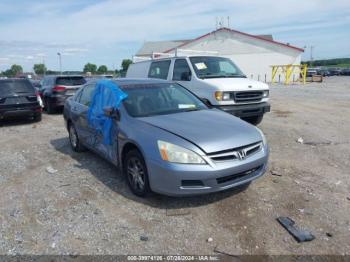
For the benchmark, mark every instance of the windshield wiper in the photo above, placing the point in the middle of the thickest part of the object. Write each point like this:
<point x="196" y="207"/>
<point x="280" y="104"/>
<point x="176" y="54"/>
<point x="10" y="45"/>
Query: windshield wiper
<point x="190" y="109"/>
<point x="222" y="76"/>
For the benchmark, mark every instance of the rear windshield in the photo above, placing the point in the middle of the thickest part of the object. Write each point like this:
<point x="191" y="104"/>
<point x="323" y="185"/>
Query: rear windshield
<point x="10" y="87"/>
<point x="70" y="80"/>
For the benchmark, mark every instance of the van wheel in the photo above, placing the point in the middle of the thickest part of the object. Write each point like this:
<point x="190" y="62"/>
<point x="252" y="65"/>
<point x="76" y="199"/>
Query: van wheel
<point x="135" y="170"/>
<point x="254" y="120"/>
<point x="74" y="140"/>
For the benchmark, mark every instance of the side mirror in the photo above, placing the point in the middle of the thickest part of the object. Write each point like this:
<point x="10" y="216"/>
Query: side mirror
<point x="186" y="76"/>
<point x="206" y="102"/>
<point x="112" y="113"/>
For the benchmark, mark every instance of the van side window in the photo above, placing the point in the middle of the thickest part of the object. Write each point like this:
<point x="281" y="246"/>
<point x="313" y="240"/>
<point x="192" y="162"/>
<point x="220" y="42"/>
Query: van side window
<point x="182" y="71"/>
<point x="159" y="69"/>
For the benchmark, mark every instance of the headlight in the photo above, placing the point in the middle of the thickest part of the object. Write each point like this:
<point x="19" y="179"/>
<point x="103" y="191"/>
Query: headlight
<point x="222" y="96"/>
<point x="176" y="154"/>
<point x="266" y="93"/>
<point x="262" y="135"/>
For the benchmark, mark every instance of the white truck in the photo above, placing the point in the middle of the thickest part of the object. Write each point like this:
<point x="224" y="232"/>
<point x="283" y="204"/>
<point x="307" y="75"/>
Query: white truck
<point x="216" y="80"/>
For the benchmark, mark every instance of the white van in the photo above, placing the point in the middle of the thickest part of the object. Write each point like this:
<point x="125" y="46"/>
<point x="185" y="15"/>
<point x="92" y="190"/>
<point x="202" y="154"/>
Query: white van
<point x="216" y="80"/>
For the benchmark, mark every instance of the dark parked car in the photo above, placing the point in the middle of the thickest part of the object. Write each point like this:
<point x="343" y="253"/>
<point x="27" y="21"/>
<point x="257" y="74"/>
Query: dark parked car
<point x="345" y="72"/>
<point x="334" y="71"/>
<point x="56" y="89"/>
<point x="18" y="97"/>
<point x="165" y="139"/>
<point x="323" y="72"/>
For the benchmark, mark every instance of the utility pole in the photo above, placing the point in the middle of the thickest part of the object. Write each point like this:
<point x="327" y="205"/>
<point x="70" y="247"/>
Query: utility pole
<point x="311" y="54"/>
<point x="60" y="61"/>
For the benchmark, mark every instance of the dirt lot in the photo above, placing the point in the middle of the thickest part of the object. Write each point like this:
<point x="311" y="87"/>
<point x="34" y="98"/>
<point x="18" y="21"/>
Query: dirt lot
<point x="86" y="207"/>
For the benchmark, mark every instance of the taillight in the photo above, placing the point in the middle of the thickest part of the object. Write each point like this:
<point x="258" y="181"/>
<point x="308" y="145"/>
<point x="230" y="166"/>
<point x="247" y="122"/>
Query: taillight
<point x="58" y="89"/>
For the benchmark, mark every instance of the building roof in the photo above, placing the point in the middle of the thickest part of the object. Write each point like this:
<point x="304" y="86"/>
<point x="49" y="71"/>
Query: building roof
<point x="167" y="46"/>
<point x="159" y="46"/>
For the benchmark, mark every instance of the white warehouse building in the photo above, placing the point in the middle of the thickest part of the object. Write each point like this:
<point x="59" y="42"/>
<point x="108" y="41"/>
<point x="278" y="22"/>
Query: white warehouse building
<point x="254" y="54"/>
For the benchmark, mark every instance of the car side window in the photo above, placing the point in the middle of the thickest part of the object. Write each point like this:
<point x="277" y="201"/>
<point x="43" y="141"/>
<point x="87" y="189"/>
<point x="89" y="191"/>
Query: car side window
<point x="182" y="71"/>
<point x="159" y="69"/>
<point x="86" y="95"/>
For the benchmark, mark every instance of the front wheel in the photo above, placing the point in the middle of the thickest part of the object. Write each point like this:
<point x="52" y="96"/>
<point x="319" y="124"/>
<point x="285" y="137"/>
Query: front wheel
<point x="135" y="171"/>
<point x="254" y="120"/>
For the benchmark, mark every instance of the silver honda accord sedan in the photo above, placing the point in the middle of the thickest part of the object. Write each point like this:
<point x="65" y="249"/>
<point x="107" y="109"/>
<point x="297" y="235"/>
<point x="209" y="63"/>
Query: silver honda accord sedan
<point x="166" y="140"/>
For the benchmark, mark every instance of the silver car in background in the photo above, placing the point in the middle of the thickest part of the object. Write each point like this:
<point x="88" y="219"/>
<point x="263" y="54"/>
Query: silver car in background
<point x="166" y="140"/>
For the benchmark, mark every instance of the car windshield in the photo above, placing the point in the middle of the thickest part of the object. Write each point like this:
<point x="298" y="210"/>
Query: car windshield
<point x="10" y="87"/>
<point x="215" y="67"/>
<point x="160" y="99"/>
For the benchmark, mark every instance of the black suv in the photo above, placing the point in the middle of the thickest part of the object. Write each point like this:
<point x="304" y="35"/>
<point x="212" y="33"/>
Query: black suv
<point x="18" y="98"/>
<point x="56" y="89"/>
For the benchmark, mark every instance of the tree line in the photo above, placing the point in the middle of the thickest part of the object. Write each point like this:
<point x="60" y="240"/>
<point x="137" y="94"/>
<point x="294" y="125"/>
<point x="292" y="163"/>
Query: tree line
<point x="40" y="69"/>
<point x="328" y="62"/>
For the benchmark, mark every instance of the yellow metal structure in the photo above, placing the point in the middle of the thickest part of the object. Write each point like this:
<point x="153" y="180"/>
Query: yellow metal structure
<point x="287" y="71"/>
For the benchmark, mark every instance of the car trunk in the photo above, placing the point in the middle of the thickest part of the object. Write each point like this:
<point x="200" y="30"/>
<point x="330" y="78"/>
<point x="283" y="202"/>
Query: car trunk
<point x="15" y="93"/>
<point x="68" y="85"/>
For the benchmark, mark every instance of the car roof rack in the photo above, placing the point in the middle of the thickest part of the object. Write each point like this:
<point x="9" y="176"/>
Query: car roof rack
<point x="178" y="53"/>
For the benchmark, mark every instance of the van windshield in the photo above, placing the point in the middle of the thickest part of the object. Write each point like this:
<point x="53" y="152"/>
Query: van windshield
<point x="159" y="99"/>
<point x="215" y="67"/>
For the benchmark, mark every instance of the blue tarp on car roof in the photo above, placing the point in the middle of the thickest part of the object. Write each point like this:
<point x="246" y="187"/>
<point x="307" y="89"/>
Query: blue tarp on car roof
<point x="106" y="94"/>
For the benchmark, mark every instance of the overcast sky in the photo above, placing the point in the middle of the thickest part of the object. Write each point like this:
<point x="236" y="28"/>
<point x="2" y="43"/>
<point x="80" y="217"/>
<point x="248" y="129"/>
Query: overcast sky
<point x="105" y="32"/>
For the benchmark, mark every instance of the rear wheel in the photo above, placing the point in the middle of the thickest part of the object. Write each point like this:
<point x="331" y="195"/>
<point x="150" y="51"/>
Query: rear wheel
<point x="136" y="173"/>
<point x="254" y="120"/>
<point x="74" y="139"/>
<point x="50" y="109"/>
<point x="37" y="117"/>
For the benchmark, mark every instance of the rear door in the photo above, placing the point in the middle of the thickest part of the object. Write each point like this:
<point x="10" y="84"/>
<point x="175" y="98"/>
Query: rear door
<point x="17" y="94"/>
<point x="79" y="109"/>
<point x="69" y="84"/>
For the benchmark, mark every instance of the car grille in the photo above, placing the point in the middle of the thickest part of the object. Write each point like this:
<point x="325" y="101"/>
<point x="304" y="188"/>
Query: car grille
<point x="248" y="96"/>
<point x="239" y="153"/>
<point x="232" y="178"/>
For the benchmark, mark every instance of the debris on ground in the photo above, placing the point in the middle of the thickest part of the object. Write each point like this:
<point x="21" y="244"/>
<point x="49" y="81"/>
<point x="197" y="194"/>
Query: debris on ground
<point x="318" y="143"/>
<point x="210" y="239"/>
<point x="329" y="234"/>
<point x="143" y="238"/>
<point x="217" y="250"/>
<point x="300" y="140"/>
<point x="348" y="198"/>
<point x="275" y="173"/>
<point x="298" y="234"/>
<point x="51" y="170"/>
<point x="177" y="212"/>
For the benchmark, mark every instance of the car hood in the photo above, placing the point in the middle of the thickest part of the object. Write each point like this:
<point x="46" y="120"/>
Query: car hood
<point x="236" y="84"/>
<point x="211" y="130"/>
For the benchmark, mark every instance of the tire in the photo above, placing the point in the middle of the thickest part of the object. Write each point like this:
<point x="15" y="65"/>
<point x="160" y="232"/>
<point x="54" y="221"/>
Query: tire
<point x="254" y="120"/>
<point x="50" y="109"/>
<point x="74" y="139"/>
<point x="37" y="117"/>
<point x="135" y="171"/>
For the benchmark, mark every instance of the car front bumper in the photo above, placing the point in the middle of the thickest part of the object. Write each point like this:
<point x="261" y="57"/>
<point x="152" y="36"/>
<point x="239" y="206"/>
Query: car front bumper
<point x="185" y="180"/>
<point x="247" y="110"/>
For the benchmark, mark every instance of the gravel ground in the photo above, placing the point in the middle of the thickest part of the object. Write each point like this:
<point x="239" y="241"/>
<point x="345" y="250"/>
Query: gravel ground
<point x="55" y="201"/>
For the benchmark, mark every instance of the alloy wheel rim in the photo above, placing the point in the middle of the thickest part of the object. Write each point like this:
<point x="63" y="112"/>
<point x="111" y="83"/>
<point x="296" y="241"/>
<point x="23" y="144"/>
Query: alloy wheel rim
<point x="136" y="174"/>
<point x="73" y="137"/>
